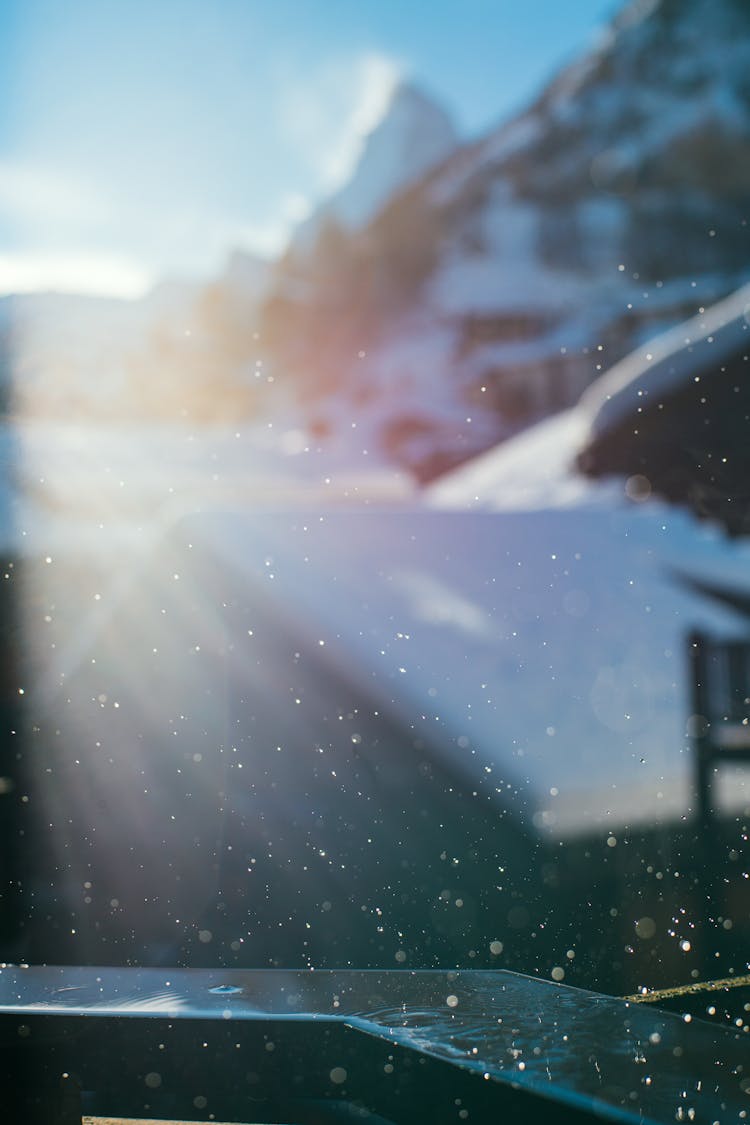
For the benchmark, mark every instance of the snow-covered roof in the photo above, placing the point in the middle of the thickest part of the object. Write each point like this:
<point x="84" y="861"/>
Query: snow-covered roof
<point x="663" y="365"/>
<point x="533" y="471"/>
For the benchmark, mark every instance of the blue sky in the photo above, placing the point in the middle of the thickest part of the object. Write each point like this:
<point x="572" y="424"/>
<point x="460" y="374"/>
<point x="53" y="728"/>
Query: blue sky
<point x="146" y="139"/>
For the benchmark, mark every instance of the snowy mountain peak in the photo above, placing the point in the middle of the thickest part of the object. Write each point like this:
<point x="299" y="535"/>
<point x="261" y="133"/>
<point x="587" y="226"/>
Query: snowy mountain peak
<point x="519" y="267"/>
<point x="414" y="134"/>
<point x="411" y="104"/>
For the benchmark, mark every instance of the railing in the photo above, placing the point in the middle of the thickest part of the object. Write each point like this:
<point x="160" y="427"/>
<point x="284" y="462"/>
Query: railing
<point x="721" y="711"/>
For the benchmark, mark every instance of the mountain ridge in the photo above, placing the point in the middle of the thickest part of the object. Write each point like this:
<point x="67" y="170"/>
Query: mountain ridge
<point x="413" y="135"/>
<point x="611" y="207"/>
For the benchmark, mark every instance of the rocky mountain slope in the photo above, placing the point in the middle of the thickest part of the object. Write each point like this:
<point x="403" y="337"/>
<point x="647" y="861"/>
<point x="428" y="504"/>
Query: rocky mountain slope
<point x="450" y="295"/>
<point x="492" y="292"/>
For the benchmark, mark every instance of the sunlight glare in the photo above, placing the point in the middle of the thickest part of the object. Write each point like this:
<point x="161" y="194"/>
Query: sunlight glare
<point x="103" y="275"/>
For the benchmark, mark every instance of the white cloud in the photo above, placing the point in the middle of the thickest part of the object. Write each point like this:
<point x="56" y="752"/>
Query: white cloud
<point x="31" y="194"/>
<point x="189" y="242"/>
<point x="89" y="273"/>
<point x="80" y="231"/>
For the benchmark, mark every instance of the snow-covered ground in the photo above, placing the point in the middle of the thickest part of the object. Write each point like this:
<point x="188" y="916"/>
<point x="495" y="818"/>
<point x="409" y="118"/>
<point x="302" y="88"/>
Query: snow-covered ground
<point x="544" y="650"/>
<point x="525" y="622"/>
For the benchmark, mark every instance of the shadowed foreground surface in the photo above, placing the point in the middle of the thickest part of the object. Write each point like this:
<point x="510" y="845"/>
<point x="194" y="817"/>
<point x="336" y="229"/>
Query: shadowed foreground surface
<point x="314" y="1046"/>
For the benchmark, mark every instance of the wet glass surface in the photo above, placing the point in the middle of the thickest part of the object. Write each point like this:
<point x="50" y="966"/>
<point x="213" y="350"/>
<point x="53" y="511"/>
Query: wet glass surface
<point x="562" y="1043"/>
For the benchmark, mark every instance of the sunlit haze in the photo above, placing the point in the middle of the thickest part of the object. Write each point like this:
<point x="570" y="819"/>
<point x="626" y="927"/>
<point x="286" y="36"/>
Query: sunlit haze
<point x="375" y="514"/>
<point x="145" y="140"/>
